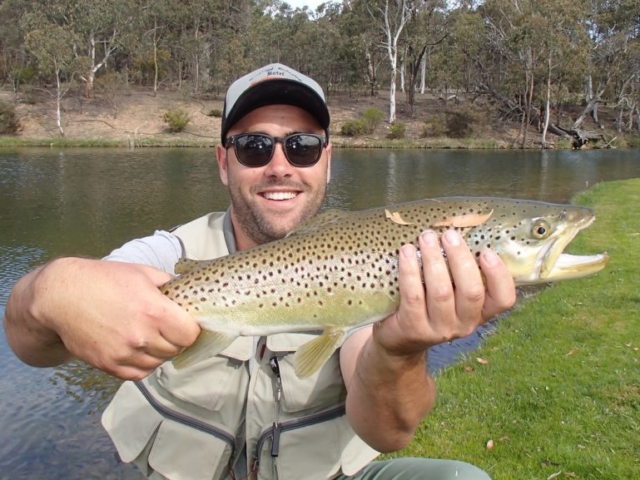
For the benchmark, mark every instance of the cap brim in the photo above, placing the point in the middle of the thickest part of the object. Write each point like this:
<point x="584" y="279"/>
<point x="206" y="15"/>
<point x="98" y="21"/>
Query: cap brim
<point x="277" y="92"/>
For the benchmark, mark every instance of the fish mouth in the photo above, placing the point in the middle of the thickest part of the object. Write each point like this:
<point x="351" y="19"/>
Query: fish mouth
<point x="553" y="264"/>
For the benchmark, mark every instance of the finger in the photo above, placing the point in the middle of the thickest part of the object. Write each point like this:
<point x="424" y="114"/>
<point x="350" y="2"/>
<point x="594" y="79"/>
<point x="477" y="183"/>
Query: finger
<point x="412" y="295"/>
<point x="500" y="288"/>
<point x="178" y="327"/>
<point x="469" y="287"/>
<point x="437" y="281"/>
<point x="162" y="349"/>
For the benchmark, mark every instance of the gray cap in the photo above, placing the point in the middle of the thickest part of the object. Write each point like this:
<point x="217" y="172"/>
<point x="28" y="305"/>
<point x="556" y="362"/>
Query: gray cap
<point x="274" y="84"/>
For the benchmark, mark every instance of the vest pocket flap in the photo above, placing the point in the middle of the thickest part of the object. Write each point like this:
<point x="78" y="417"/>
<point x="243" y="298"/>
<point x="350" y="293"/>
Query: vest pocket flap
<point x="130" y="422"/>
<point x="323" y="388"/>
<point x="241" y="349"/>
<point x="180" y="452"/>
<point x="205" y="384"/>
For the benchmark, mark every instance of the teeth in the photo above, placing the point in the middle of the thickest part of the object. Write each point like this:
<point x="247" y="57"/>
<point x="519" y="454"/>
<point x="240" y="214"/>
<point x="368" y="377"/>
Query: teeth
<point x="279" y="195"/>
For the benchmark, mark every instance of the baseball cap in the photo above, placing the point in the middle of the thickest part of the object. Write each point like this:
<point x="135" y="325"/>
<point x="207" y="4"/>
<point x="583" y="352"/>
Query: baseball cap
<point x="273" y="84"/>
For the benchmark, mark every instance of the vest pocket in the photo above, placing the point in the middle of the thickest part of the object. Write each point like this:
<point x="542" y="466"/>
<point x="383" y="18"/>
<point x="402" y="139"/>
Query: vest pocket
<point x="206" y="383"/>
<point x="157" y="438"/>
<point x="324" y="388"/>
<point x="309" y="447"/>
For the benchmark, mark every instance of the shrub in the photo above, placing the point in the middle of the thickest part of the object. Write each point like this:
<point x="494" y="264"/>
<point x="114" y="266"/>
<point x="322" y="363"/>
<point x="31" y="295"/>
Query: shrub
<point x="215" y="112"/>
<point x="372" y="118"/>
<point x="353" y="128"/>
<point x="9" y="123"/>
<point x="434" y="126"/>
<point x="177" y="120"/>
<point x="459" y="125"/>
<point x="397" y="130"/>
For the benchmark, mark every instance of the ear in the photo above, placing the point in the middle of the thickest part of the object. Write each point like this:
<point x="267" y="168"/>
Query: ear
<point x="223" y="164"/>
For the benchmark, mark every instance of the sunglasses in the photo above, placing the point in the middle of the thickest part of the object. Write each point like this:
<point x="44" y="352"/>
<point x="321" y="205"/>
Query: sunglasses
<point x="256" y="149"/>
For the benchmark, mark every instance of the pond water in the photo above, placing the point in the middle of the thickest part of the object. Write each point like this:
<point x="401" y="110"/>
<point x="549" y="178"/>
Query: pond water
<point x="87" y="202"/>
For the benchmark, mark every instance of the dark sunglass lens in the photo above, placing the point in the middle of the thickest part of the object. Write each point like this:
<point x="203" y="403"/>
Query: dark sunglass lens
<point x="254" y="150"/>
<point x="303" y="150"/>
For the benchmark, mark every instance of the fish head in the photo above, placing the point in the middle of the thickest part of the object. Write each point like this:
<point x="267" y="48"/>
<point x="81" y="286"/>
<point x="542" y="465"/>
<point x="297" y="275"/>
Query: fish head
<point x="531" y="240"/>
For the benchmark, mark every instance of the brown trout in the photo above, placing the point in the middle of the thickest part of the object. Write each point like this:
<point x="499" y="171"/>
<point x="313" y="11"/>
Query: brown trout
<point x="339" y="271"/>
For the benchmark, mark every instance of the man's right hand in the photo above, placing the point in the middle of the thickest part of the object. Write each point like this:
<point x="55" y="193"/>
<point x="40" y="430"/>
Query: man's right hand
<point x="108" y="314"/>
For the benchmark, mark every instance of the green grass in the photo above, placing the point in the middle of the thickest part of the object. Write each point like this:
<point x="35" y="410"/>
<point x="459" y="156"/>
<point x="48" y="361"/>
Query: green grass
<point x="561" y="389"/>
<point x="62" y="142"/>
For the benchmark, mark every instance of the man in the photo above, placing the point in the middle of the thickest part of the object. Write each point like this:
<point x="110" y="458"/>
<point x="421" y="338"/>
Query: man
<point x="245" y="411"/>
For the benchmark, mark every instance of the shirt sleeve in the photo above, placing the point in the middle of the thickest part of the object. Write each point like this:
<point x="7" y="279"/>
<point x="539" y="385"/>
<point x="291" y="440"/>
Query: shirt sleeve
<point x="161" y="250"/>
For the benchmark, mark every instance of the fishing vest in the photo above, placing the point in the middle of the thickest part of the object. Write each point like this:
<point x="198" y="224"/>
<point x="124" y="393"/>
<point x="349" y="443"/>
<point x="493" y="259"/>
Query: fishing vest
<point x="197" y="422"/>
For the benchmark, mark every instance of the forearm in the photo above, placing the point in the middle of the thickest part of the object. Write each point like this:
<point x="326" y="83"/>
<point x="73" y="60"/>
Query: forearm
<point x="28" y="333"/>
<point x="388" y="396"/>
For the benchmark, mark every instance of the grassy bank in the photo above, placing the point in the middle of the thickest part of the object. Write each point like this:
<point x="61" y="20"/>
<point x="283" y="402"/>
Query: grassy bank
<point x="559" y="393"/>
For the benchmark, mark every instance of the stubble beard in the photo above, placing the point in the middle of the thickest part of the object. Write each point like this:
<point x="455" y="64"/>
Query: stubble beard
<point x="263" y="228"/>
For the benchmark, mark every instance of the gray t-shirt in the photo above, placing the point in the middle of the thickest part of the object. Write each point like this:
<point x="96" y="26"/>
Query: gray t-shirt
<point x="161" y="250"/>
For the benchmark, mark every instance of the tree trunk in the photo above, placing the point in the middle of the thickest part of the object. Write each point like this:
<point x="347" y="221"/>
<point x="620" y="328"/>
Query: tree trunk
<point x="589" y="107"/>
<point x="423" y="74"/>
<point x="547" y="105"/>
<point x="59" y="95"/>
<point x="392" y="92"/>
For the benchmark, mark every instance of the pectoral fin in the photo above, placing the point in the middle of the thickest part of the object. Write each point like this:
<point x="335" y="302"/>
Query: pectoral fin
<point x="208" y="344"/>
<point x="312" y="355"/>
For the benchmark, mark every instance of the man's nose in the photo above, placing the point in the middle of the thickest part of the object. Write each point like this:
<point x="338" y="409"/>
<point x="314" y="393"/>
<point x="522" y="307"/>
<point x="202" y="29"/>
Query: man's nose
<point x="279" y="165"/>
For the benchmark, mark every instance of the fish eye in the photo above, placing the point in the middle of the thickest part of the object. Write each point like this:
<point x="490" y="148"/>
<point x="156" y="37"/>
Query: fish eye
<point x="540" y="229"/>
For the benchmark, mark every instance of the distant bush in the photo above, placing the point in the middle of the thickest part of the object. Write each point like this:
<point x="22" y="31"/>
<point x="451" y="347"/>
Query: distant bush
<point x="9" y="123"/>
<point x="397" y="130"/>
<point x="372" y="118"/>
<point x="176" y="119"/>
<point x="215" y="112"/>
<point x="459" y="124"/>
<point x="353" y="128"/>
<point x="434" y="126"/>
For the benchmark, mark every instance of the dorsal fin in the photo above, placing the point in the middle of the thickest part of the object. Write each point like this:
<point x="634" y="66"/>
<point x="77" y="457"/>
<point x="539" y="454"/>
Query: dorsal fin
<point x="319" y="221"/>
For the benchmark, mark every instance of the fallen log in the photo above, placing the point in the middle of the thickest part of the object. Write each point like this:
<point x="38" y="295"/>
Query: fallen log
<point x="580" y="138"/>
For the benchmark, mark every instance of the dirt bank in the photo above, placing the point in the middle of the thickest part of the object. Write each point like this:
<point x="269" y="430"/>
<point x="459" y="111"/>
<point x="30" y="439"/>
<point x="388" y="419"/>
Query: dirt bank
<point x="135" y="117"/>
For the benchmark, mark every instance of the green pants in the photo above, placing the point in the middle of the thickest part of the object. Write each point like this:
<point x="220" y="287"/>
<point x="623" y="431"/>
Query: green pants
<point x="418" y="469"/>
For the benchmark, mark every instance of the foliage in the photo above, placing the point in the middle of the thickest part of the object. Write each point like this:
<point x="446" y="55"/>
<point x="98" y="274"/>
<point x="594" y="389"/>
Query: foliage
<point x="215" y="112"/>
<point x="9" y="123"/>
<point x="176" y="119"/>
<point x="397" y="131"/>
<point x="372" y="117"/>
<point x="434" y="126"/>
<point x="459" y="124"/>
<point x="354" y="128"/>
<point x="555" y="388"/>
<point x="518" y="53"/>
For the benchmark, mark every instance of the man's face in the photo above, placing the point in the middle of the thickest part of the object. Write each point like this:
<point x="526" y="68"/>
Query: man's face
<point x="268" y="202"/>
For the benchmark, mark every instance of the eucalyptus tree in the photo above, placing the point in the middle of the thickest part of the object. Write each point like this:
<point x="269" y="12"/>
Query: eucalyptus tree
<point x="53" y="47"/>
<point x="97" y="27"/>
<point x="151" y="44"/>
<point x="614" y="29"/>
<point x="427" y="29"/>
<point x="14" y="62"/>
<point x="392" y="16"/>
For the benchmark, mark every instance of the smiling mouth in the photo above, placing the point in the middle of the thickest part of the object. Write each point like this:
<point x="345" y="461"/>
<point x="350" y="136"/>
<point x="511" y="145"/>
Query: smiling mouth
<point x="279" y="196"/>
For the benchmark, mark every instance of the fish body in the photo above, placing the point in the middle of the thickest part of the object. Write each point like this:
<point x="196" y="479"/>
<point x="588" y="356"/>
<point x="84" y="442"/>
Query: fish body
<point x="339" y="271"/>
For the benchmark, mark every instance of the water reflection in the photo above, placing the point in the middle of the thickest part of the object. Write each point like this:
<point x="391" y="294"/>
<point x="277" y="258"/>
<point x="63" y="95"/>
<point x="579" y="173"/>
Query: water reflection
<point x="86" y="202"/>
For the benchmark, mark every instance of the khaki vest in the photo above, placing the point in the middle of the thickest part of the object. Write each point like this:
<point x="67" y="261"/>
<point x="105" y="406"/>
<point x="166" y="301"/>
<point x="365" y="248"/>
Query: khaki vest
<point x="195" y="423"/>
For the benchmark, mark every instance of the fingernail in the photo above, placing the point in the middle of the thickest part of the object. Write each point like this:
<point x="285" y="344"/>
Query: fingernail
<point x="490" y="257"/>
<point x="430" y="238"/>
<point x="453" y="237"/>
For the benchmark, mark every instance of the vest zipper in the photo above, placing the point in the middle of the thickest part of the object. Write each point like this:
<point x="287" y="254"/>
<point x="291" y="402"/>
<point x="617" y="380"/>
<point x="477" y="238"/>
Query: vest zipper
<point x="289" y="425"/>
<point x="186" y="420"/>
